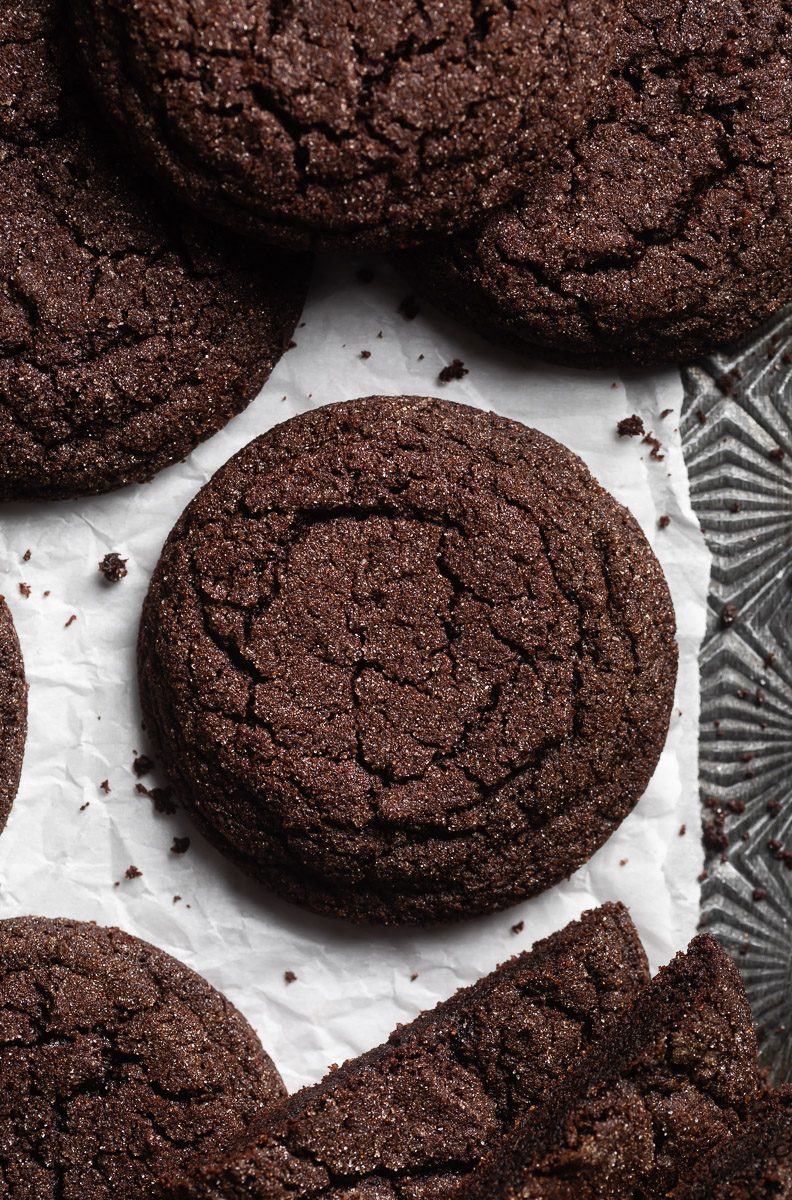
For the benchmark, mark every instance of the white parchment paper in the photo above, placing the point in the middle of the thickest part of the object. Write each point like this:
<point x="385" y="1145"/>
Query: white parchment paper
<point x="58" y="858"/>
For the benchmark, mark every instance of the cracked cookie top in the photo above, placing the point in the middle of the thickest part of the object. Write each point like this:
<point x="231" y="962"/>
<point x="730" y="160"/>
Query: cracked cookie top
<point x="119" y="1064"/>
<point x="330" y="123"/>
<point x="13" y="712"/>
<point x="663" y="231"/>
<point x="128" y="332"/>
<point x="407" y="661"/>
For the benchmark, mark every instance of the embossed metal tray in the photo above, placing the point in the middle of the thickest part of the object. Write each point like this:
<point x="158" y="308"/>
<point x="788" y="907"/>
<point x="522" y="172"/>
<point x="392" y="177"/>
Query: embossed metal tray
<point x="737" y="436"/>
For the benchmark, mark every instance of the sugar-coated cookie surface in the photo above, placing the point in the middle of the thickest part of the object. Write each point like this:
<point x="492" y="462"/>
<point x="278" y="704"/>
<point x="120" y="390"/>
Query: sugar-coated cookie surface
<point x="13" y="712"/>
<point x="412" y="1117"/>
<point x="118" y="1064"/>
<point x="407" y="661"/>
<point x="129" y="332"/>
<point x="665" y="229"/>
<point x="666" y="1087"/>
<point x="330" y="123"/>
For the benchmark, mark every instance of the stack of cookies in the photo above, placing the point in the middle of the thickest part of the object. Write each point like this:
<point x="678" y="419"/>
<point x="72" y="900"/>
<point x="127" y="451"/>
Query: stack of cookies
<point x="566" y="1073"/>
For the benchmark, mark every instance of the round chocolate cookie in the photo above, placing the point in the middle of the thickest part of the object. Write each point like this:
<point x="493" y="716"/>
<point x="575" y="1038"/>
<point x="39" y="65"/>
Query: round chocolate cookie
<point x="334" y="124"/>
<point x="129" y="332"/>
<point x="119" y="1065"/>
<point x="407" y="661"/>
<point x="13" y="712"/>
<point x="663" y="232"/>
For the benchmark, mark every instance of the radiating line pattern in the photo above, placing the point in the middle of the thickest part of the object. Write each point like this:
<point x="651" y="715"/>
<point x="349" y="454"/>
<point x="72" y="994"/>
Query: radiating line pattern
<point x="737" y="436"/>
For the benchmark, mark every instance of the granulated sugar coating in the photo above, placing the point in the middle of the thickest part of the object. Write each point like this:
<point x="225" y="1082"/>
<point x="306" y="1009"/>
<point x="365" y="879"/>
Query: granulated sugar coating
<point x="406" y="661"/>
<point x="669" y="1081"/>
<point x="411" y="1117"/>
<point x="118" y="1064"/>
<point x="664" y="230"/>
<point x="331" y="123"/>
<point x="129" y="331"/>
<point x="13" y="712"/>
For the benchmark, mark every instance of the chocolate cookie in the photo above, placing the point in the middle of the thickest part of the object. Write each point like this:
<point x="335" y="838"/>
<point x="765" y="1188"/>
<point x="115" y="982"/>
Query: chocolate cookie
<point x="407" y="661"/>
<point x="665" y="230"/>
<point x="416" y="1114"/>
<point x="327" y="123"/>
<point x="129" y="332"/>
<point x="668" y="1082"/>
<point x="13" y="712"/>
<point x="118" y="1064"/>
<point x="755" y="1165"/>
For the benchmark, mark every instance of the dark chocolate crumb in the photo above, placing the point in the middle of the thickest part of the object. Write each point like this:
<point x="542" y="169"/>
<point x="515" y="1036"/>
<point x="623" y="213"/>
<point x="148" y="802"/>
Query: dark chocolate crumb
<point x="518" y="928"/>
<point x="770" y="660"/>
<point x="180" y="845"/>
<point x="289" y="976"/>
<point x="702" y="416"/>
<point x="105" y="786"/>
<point x="413" y="977"/>
<point x="666" y="412"/>
<point x="162" y="799"/>
<point x="70" y="621"/>
<point x="143" y="765"/>
<point x="704" y="875"/>
<point x="725" y="383"/>
<point x="456" y="369"/>
<point x="736" y="806"/>
<point x="759" y="893"/>
<point x="664" y="521"/>
<point x="656" y="445"/>
<point x="176" y="899"/>
<point x="682" y="830"/>
<point x="420" y="358"/>
<point x="631" y="427"/>
<point x="623" y="862"/>
<point x="132" y="872"/>
<point x="779" y="453"/>
<point x="113" y="567"/>
<point x="24" y="589"/>
<point x="409" y="308"/>
<point x="365" y="354"/>
<point x="84" y="806"/>
<point x="774" y="807"/>
<point x="736" y="507"/>
<point x="26" y="556"/>
<point x="729" y="614"/>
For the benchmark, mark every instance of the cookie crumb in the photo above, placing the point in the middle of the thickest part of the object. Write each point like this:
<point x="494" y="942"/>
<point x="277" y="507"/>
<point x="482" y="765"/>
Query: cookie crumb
<point x="420" y="358"/>
<point x="176" y="899"/>
<point x="736" y="507"/>
<point x="180" y="845"/>
<point x="413" y="977"/>
<point x="84" y="806"/>
<point x="665" y="413"/>
<point x="682" y="830"/>
<point x="26" y="556"/>
<point x="730" y="614"/>
<point x="142" y="765"/>
<point x="518" y="928"/>
<point x="759" y="893"/>
<point x="113" y="567"/>
<point x="779" y="453"/>
<point x="623" y="862"/>
<point x="289" y="976"/>
<point x="702" y="416"/>
<point x="24" y="589"/>
<point x="769" y="660"/>
<point x="105" y="786"/>
<point x="631" y="427"/>
<point x="161" y="798"/>
<point x="656" y="445"/>
<point x="409" y="308"/>
<point x="664" y="521"/>
<point x="365" y="354"/>
<point x="70" y="621"/>
<point x="132" y="872"/>
<point x="456" y="369"/>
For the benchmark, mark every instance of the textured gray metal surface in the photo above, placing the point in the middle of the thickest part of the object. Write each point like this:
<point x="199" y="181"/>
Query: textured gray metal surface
<point x="737" y="434"/>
